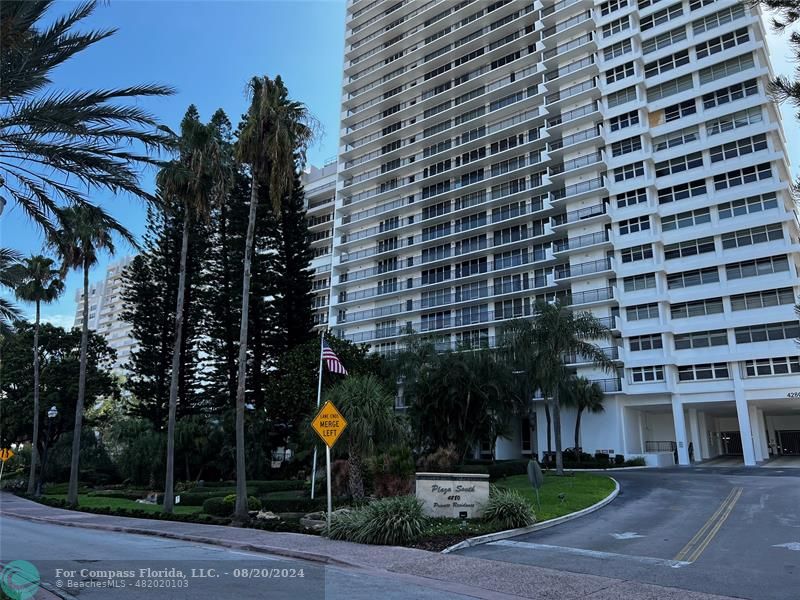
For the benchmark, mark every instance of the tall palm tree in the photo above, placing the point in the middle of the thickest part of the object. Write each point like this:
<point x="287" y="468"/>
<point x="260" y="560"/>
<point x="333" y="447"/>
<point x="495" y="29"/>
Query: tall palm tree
<point x="558" y="334"/>
<point x="368" y="407"/>
<point x="57" y="146"/>
<point x="85" y="231"/>
<point x="40" y="282"/>
<point x="272" y="142"/>
<point x="583" y="395"/>
<point x="198" y="179"/>
<point x="10" y="271"/>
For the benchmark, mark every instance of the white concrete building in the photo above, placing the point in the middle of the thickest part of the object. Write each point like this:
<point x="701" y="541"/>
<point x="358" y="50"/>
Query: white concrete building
<point x="621" y="156"/>
<point x="105" y="313"/>
<point x="320" y="189"/>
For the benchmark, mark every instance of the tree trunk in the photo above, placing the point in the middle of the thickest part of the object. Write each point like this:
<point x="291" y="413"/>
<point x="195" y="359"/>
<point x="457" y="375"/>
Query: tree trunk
<point x="35" y="442"/>
<point x="557" y="433"/>
<point x="355" y="481"/>
<point x="548" y="418"/>
<point x="72" y="496"/>
<point x="240" y="511"/>
<point x="578" y="435"/>
<point x="169" y="485"/>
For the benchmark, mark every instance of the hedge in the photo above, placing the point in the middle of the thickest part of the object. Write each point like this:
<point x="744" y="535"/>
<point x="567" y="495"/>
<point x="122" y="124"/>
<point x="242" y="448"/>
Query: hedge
<point x="256" y="486"/>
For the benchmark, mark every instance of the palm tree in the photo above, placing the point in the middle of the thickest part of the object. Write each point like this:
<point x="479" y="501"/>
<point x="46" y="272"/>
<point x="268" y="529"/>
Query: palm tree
<point x="272" y="142"/>
<point x="583" y="395"/>
<point x="85" y="231"/>
<point x="40" y="282"/>
<point x="10" y="271"/>
<point x="561" y="335"/>
<point x="198" y="179"/>
<point x="58" y="146"/>
<point x="368" y="407"/>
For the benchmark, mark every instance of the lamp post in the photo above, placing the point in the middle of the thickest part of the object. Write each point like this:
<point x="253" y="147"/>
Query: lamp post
<point x="51" y="415"/>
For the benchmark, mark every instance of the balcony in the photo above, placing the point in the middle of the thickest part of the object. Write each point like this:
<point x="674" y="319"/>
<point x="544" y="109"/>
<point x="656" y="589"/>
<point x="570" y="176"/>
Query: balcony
<point x="611" y="352"/>
<point x="590" y="239"/>
<point x="577" y="189"/>
<point x="579" y="215"/>
<point x="613" y="384"/>
<point x="586" y="268"/>
<point x="590" y="296"/>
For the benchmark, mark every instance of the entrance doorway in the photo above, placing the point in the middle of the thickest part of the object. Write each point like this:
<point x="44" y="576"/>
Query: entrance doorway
<point x="788" y="442"/>
<point x="731" y="442"/>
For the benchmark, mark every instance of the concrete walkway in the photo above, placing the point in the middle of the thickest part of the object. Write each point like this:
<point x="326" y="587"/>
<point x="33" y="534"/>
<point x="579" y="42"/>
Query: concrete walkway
<point x="475" y="577"/>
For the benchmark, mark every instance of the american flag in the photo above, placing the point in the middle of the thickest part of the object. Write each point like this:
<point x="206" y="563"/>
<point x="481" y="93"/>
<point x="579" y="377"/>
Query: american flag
<point x="333" y="362"/>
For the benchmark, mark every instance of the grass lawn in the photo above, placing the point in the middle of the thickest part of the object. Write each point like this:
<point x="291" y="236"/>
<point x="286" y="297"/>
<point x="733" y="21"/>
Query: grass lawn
<point x="580" y="491"/>
<point x="103" y="502"/>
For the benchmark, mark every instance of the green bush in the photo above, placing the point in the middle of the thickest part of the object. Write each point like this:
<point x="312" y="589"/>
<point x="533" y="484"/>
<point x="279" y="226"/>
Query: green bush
<point x="125" y="495"/>
<point x="619" y="460"/>
<point x="442" y="460"/>
<point x="217" y="507"/>
<point x="602" y="459"/>
<point x="507" y="468"/>
<point x="253" y="503"/>
<point x="508" y="509"/>
<point x="637" y="461"/>
<point x="389" y="521"/>
<point x="304" y="505"/>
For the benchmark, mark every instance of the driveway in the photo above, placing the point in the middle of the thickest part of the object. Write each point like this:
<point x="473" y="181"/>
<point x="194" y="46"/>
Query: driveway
<point x="734" y="532"/>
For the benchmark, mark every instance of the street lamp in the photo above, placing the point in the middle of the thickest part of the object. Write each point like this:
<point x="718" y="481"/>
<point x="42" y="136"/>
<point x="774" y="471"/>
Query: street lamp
<point x="51" y="415"/>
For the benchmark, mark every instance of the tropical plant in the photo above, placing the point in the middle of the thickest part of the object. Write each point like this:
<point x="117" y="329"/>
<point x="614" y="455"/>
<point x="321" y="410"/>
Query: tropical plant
<point x="199" y="178"/>
<point x="58" y="146"/>
<point x="393" y="521"/>
<point x="583" y="395"/>
<point x="85" y="231"/>
<point x="785" y="14"/>
<point x="508" y="509"/>
<point x="10" y="265"/>
<point x="561" y="335"/>
<point x="272" y="142"/>
<point x="39" y="282"/>
<point x="368" y="407"/>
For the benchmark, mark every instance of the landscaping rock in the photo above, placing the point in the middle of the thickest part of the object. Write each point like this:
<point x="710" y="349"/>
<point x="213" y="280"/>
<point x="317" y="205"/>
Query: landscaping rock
<point x="266" y="515"/>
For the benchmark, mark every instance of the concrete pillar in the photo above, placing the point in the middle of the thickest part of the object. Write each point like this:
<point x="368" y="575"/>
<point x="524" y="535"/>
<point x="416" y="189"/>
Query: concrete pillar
<point x="758" y="434"/>
<point x="694" y="432"/>
<point x="762" y="429"/>
<point x="680" y="430"/>
<point x="743" y="414"/>
<point x="641" y="430"/>
<point x="704" y="445"/>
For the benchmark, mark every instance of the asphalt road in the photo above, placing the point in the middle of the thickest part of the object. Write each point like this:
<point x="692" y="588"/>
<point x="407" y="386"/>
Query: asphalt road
<point x="734" y="532"/>
<point x="236" y="574"/>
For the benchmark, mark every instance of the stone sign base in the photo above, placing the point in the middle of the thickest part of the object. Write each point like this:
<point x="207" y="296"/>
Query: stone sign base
<point x="453" y="495"/>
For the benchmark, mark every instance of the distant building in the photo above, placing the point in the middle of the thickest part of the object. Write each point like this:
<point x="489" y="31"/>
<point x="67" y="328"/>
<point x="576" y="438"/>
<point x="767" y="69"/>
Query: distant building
<point x="320" y="189"/>
<point x="105" y="313"/>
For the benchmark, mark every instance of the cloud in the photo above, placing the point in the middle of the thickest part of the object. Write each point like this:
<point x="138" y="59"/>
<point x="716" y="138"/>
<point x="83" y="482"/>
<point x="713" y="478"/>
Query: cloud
<point x="59" y="320"/>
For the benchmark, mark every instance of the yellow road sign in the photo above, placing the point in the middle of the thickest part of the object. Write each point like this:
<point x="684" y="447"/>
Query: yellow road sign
<point x="5" y="454"/>
<point x="329" y="423"/>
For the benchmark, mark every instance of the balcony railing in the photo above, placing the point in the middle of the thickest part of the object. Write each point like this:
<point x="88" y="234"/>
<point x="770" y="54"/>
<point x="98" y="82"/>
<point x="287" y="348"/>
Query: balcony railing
<point x="586" y="268"/>
<point x="579" y="215"/>
<point x="588" y="296"/>
<point x="611" y="352"/>
<point x="581" y="241"/>
<point x="560" y="49"/>
<point x="577" y="188"/>
<point x="613" y="384"/>
<point x="659" y="446"/>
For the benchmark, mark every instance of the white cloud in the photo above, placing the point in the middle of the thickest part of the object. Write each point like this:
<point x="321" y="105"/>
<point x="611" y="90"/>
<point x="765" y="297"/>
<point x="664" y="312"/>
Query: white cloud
<point x="59" y="320"/>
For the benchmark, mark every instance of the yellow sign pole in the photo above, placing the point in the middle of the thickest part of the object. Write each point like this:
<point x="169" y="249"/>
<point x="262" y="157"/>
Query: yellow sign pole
<point x="330" y="498"/>
<point x="329" y="425"/>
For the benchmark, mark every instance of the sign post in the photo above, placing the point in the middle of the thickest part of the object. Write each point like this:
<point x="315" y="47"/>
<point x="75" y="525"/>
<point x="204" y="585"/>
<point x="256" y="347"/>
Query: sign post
<point x="329" y="425"/>
<point x="5" y="454"/>
<point x="536" y="477"/>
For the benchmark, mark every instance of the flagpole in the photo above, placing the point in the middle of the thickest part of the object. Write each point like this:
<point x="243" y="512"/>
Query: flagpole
<point x="319" y="397"/>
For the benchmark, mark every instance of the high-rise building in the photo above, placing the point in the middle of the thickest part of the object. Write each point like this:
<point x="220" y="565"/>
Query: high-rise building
<point x="320" y="189"/>
<point x="105" y="313"/>
<point x="623" y="157"/>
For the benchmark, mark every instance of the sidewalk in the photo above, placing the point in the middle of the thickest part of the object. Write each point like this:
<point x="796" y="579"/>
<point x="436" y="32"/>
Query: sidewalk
<point x="460" y="574"/>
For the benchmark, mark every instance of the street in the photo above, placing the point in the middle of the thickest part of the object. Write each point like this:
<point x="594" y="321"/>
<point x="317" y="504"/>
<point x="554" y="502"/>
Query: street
<point x="732" y="532"/>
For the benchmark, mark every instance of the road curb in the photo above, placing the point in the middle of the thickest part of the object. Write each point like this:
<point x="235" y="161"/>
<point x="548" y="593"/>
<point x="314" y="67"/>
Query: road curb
<point x="248" y="547"/>
<point x="509" y="533"/>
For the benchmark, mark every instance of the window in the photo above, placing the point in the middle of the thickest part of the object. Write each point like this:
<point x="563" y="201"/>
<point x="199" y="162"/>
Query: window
<point x="741" y="147"/>
<point x="666" y="64"/>
<point x="670" y="88"/>
<point x="642" y="312"/>
<point x="634" y="225"/>
<point x="701" y="339"/>
<point x="629" y="171"/>
<point x="688" y="248"/>
<point x="723" y="42"/>
<point x="645" y="342"/>
<point x="626" y="146"/>
<point x="769" y="332"/>
<point x="741" y="118"/>
<point x="746" y="206"/>
<point x="698" y="308"/>
<point x="680" y="110"/>
<point x="772" y="366"/>
<point x="624" y="120"/>
<point x="616" y="26"/>
<point x="619" y="73"/>
<point x="646" y="374"/>
<point x="703" y="372"/>
<point x="639" y="282"/>
<point x="754" y="235"/>
<point x="763" y="299"/>
<point x="631" y="198"/>
<point x="742" y="176"/>
<point x="622" y="96"/>
<point x="663" y="40"/>
<point x="676" y="138"/>
<point x="698" y="4"/>
<point x="679" y="164"/>
<point x="637" y="253"/>
<point x="682" y="191"/>
<point x="660" y="17"/>
<point x="692" y="278"/>
<point x="686" y="219"/>
<point x="731" y="93"/>
<point x="617" y="50"/>
<point x="755" y="268"/>
<point x="606" y="8"/>
<point x="719" y="18"/>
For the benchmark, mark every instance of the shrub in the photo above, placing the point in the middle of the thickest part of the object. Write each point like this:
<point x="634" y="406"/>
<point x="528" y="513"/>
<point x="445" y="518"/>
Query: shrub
<point x="619" y="460"/>
<point x="304" y="505"/>
<point x="442" y="460"/>
<point x="507" y="468"/>
<point x="389" y="521"/>
<point x="602" y="459"/>
<point x="509" y="510"/>
<point x="340" y="474"/>
<point x="217" y="507"/>
<point x="637" y="461"/>
<point x="253" y="503"/>
<point x="392" y="472"/>
<point x="125" y="495"/>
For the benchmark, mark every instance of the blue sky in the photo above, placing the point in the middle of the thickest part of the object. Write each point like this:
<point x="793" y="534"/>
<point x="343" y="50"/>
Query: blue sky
<point x="208" y="50"/>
